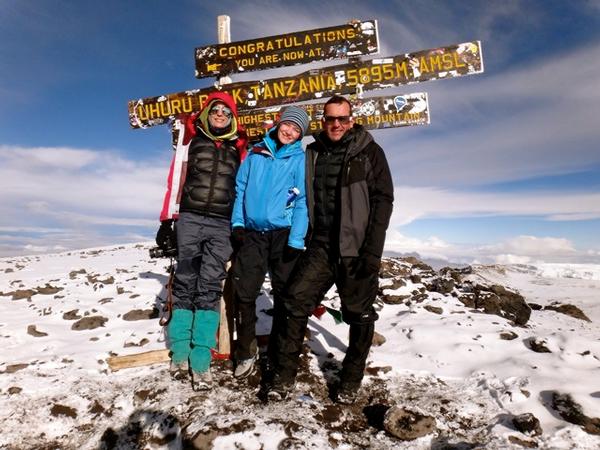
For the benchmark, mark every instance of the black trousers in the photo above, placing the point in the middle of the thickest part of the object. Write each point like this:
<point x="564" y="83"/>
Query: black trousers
<point x="260" y="252"/>
<point x="316" y="271"/>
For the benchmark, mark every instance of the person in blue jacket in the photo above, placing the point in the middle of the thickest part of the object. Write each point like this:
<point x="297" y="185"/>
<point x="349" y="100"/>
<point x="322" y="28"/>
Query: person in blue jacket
<point x="269" y="224"/>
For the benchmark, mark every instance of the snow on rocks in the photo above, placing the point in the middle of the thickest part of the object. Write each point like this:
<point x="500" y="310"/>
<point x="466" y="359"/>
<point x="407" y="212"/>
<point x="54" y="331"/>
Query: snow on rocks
<point x="453" y="365"/>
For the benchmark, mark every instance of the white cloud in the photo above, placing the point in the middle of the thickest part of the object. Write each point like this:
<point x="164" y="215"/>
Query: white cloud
<point x="412" y="203"/>
<point x="67" y="198"/>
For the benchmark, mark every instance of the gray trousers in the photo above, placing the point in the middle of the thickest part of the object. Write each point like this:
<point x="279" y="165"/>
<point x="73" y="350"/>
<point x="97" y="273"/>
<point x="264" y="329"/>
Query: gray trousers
<point x="204" y="247"/>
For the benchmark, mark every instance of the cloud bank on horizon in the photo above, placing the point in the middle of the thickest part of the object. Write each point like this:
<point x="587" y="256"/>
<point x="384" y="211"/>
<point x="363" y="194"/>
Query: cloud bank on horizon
<point x="508" y="170"/>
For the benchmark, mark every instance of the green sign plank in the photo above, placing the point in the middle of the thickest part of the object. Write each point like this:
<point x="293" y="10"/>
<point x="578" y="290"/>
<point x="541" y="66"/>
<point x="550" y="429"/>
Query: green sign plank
<point x="342" y="41"/>
<point x="438" y="63"/>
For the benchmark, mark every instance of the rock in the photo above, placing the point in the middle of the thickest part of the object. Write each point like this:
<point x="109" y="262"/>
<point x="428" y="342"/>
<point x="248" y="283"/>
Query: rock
<point x="31" y="330"/>
<point x="12" y="368"/>
<point x="569" y="310"/>
<point x="14" y="390"/>
<point x="522" y="442"/>
<point x="538" y="345"/>
<point x="395" y="284"/>
<point x="498" y="300"/>
<point x="527" y="424"/>
<point x="73" y="273"/>
<point x="418" y="298"/>
<point x="378" y="339"/>
<point x="433" y="309"/>
<point x="391" y="268"/>
<point x="535" y="306"/>
<point x="89" y="323"/>
<point x="49" y="290"/>
<point x="22" y="293"/>
<point x="508" y="335"/>
<point x="407" y="425"/>
<point x="467" y="299"/>
<point x="141" y="314"/>
<point x="572" y="412"/>
<point x="71" y="315"/>
<point x="62" y="410"/>
<point x="394" y="299"/>
<point x="415" y="279"/>
<point x="441" y="285"/>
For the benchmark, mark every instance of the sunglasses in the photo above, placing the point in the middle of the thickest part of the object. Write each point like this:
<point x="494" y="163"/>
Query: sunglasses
<point x="343" y="120"/>
<point x="221" y="109"/>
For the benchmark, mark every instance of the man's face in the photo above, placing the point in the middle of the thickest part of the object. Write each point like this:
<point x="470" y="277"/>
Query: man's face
<point x="219" y="115"/>
<point x="337" y="120"/>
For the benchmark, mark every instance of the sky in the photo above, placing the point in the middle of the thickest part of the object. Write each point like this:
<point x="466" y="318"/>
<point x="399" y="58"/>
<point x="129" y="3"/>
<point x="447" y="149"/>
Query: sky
<point x="508" y="171"/>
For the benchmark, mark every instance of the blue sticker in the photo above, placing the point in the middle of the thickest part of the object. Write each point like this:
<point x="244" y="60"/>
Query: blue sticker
<point x="399" y="102"/>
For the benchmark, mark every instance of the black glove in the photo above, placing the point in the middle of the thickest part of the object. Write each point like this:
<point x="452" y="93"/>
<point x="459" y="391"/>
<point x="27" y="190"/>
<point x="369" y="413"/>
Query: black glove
<point x="291" y="253"/>
<point x="238" y="235"/>
<point x="367" y="264"/>
<point x="165" y="236"/>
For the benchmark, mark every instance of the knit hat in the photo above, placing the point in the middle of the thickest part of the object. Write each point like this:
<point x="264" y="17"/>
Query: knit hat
<point x="297" y="116"/>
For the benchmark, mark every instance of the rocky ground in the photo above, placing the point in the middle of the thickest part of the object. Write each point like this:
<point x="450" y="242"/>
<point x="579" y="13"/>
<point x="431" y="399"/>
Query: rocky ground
<point x="460" y="360"/>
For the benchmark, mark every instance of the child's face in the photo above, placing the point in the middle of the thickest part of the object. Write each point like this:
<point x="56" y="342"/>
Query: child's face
<point x="288" y="132"/>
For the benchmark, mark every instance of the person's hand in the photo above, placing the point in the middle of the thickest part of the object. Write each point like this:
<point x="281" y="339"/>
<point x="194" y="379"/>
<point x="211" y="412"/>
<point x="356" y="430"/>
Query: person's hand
<point x="238" y="235"/>
<point x="291" y="253"/>
<point x="165" y="236"/>
<point x="367" y="264"/>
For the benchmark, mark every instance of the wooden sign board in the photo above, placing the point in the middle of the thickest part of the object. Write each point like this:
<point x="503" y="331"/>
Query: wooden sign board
<point x="342" y="41"/>
<point x="373" y="113"/>
<point x="438" y="63"/>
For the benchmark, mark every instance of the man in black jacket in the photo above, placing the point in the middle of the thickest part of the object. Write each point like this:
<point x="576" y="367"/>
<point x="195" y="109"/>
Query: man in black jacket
<point x="349" y="192"/>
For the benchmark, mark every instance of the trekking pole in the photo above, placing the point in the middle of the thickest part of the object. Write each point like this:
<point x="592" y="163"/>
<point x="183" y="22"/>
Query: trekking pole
<point x="168" y="309"/>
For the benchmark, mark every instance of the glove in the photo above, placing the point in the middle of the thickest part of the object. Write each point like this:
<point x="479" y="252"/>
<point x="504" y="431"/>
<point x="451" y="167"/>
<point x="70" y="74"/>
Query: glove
<point x="367" y="264"/>
<point x="238" y="235"/>
<point x="165" y="236"/>
<point x="291" y="253"/>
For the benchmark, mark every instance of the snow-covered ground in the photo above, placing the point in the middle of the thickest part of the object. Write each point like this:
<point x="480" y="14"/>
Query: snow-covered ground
<point x="63" y="315"/>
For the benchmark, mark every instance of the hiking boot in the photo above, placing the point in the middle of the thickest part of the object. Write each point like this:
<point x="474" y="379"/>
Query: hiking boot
<point x="245" y="367"/>
<point x="347" y="393"/>
<point x="201" y="381"/>
<point x="179" y="371"/>
<point x="279" y="390"/>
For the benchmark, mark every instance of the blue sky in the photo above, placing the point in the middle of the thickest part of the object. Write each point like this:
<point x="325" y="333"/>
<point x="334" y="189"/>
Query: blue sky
<point x="507" y="171"/>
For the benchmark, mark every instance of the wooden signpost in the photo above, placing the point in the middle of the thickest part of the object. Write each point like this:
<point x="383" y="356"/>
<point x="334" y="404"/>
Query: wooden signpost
<point x="373" y="113"/>
<point x="260" y="102"/>
<point x="341" y="41"/>
<point x="352" y="78"/>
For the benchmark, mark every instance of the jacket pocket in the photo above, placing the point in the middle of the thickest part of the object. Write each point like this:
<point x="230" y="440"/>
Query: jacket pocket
<point x="355" y="171"/>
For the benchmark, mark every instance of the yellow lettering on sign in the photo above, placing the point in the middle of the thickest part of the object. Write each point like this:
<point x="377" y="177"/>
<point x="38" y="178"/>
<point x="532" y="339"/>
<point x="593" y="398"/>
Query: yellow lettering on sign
<point x="176" y="106"/>
<point x="303" y="87"/>
<point x="201" y="99"/>
<point x="457" y="62"/>
<point x="314" y="52"/>
<point x="141" y="113"/>
<point x="436" y="62"/>
<point x="291" y="85"/>
<point x="401" y="70"/>
<point x="423" y="65"/>
<point x="329" y="82"/>
<point x="269" y="46"/>
<point x="153" y="111"/>
<point x="307" y="40"/>
<point x="235" y="93"/>
<point x="350" y="33"/>
<point x="278" y="89"/>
